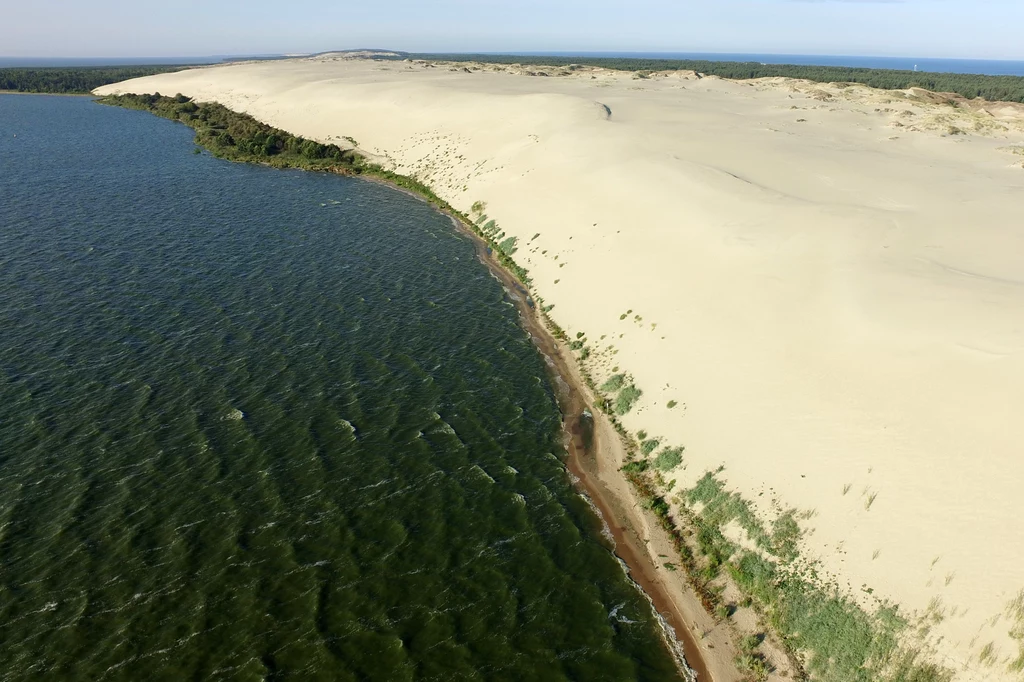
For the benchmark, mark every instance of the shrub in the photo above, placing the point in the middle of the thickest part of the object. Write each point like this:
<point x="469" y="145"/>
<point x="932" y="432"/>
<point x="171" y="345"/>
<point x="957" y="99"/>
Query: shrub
<point x="637" y="467"/>
<point x="508" y="246"/>
<point x="658" y="505"/>
<point x="626" y="399"/>
<point x="753" y="664"/>
<point x="668" y="459"/>
<point x="786" y="534"/>
<point x="649" y="446"/>
<point x="614" y="383"/>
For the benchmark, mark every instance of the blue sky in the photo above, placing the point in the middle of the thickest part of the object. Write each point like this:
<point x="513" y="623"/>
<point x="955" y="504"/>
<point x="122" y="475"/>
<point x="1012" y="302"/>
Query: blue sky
<point x="983" y="29"/>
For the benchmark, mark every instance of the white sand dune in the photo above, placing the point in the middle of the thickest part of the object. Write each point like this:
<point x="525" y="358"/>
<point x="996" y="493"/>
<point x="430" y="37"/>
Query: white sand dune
<point x="830" y="281"/>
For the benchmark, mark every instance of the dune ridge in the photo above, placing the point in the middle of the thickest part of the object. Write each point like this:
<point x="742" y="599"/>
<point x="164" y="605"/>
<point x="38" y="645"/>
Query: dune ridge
<point x="826" y="280"/>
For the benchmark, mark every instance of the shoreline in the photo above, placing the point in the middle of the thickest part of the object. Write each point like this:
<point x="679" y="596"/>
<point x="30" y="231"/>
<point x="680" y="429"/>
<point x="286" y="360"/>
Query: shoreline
<point x="48" y="94"/>
<point x="584" y="460"/>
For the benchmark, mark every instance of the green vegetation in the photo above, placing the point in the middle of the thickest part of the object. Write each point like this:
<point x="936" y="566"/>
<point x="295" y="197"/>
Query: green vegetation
<point x="627" y="396"/>
<point x="1015" y="612"/>
<point x="626" y="399"/>
<point x="668" y="459"/>
<point x="508" y="246"/>
<point x="750" y="661"/>
<point x="73" y="80"/>
<point x="614" y="383"/>
<point x="671" y="404"/>
<point x="649" y="446"/>
<point x="844" y="643"/>
<point x="721" y="508"/>
<point x="636" y="467"/>
<point x="993" y="88"/>
<point x="786" y="534"/>
<point x="240" y="137"/>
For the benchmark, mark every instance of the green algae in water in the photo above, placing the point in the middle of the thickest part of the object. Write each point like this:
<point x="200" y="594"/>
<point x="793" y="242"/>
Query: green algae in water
<point x="259" y="424"/>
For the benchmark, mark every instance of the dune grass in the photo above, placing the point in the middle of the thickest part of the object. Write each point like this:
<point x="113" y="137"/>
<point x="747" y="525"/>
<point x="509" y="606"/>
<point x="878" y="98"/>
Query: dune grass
<point x="626" y="399"/>
<point x="840" y="641"/>
<point x="668" y="459"/>
<point x="614" y="383"/>
<point x="649" y="446"/>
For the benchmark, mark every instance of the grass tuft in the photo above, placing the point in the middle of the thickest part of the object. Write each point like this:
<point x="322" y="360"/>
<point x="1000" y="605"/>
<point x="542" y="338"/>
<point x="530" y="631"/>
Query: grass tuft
<point x="614" y="383"/>
<point x="626" y="399"/>
<point x="649" y="446"/>
<point x="668" y="459"/>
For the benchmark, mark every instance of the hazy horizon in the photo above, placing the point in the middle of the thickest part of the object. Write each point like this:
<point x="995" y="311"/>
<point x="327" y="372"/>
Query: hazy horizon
<point x="212" y="58"/>
<point x="105" y="29"/>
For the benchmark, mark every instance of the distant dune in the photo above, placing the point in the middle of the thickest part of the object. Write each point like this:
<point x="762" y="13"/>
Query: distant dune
<point x="826" y="281"/>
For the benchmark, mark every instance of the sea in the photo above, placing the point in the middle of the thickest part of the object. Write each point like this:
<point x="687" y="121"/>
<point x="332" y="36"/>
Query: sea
<point x="274" y="425"/>
<point x="991" y="67"/>
<point x="971" y="66"/>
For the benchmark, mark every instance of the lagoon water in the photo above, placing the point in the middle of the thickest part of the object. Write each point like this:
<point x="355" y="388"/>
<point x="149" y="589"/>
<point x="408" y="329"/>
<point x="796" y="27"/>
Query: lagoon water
<point x="267" y="425"/>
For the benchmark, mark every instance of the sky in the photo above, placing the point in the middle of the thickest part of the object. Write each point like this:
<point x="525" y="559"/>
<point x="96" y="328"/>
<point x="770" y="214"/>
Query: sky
<point x="963" y="29"/>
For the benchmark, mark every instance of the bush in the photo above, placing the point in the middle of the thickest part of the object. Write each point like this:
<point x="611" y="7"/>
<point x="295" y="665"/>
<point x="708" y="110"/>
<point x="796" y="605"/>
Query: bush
<point x="668" y="459"/>
<point x="508" y="246"/>
<point x="658" y="505"/>
<point x="753" y="664"/>
<point x="649" y="446"/>
<point x="626" y="399"/>
<point x="614" y="383"/>
<point x="637" y="467"/>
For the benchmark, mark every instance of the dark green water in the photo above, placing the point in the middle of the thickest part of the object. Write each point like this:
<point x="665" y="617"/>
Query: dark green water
<point x="262" y="425"/>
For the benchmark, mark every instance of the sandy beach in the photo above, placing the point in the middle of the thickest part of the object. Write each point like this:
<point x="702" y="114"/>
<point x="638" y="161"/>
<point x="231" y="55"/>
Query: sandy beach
<point x="819" y="288"/>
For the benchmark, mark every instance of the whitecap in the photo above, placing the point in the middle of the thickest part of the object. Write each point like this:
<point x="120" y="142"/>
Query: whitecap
<point x="476" y="468"/>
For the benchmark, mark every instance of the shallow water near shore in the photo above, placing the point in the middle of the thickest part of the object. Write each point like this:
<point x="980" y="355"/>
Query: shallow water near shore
<point x="262" y="424"/>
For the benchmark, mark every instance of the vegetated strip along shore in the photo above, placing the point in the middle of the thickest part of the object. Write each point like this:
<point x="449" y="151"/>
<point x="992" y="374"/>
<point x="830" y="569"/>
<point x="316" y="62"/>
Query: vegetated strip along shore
<point x="593" y="446"/>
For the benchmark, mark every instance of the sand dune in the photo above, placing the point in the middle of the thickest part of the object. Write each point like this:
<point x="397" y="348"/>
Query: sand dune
<point x="828" y="280"/>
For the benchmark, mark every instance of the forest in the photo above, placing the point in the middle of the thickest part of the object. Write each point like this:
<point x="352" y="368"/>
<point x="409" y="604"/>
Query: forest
<point x="240" y="137"/>
<point x="992" y="88"/>
<point x="73" y="80"/>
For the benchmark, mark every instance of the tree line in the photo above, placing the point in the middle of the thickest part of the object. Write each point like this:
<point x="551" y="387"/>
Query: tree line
<point x="239" y="137"/>
<point x="992" y="88"/>
<point x="73" y="80"/>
